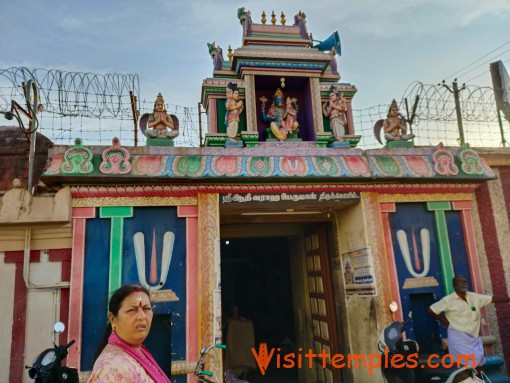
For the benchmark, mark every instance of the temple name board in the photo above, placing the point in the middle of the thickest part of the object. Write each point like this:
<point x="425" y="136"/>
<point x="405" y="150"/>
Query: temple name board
<point x="288" y="197"/>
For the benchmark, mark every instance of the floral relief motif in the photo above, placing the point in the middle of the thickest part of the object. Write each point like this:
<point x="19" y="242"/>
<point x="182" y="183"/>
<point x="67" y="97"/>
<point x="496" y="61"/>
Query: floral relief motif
<point x="326" y="166"/>
<point x="188" y="166"/>
<point x="56" y="164"/>
<point x="115" y="159"/>
<point x="226" y="165"/>
<point x="260" y="166"/>
<point x="293" y="166"/>
<point x="356" y="165"/>
<point x="470" y="162"/>
<point x="444" y="162"/>
<point x="389" y="165"/>
<point x="418" y="165"/>
<point x="149" y="165"/>
<point x="77" y="160"/>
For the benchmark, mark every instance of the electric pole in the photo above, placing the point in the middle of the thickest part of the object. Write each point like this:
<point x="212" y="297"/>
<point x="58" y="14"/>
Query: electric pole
<point x="455" y="91"/>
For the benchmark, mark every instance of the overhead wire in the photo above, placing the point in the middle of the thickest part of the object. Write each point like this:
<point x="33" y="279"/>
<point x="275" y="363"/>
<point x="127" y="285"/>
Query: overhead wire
<point x="481" y="58"/>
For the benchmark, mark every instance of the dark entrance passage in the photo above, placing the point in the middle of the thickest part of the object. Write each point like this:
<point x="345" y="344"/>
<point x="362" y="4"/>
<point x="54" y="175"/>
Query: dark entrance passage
<point x="255" y="275"/>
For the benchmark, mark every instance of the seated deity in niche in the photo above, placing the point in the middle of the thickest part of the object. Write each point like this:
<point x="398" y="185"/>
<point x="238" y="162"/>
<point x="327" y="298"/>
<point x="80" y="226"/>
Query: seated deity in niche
<point x="282" y="118"/>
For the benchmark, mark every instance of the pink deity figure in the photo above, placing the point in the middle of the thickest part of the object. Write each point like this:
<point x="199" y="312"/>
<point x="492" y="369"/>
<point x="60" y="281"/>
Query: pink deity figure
<point x="289" y="118"/>
<point x="336" y="109"/>
<point x="394" y="126"/>
<point x="234" y="107"/>
<point x="160" y="123"/>
<point x="277" y="115"/>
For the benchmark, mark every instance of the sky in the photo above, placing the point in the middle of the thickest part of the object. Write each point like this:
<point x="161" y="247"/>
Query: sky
<point x="386" y="45"/>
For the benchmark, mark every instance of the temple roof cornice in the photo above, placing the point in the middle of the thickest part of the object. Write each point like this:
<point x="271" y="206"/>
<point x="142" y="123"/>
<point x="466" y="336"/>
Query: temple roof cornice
<point x="270" y="164"/>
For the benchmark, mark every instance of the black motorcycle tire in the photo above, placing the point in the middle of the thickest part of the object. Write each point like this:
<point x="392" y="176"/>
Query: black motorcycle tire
<point x="399" y="375"/>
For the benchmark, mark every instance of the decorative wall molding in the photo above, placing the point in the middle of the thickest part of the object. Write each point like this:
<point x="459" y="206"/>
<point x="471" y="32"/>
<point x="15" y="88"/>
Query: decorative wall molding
<point x="134" y="201"/>
<point x="426" y="197"/>
<point x="156" y="195"/>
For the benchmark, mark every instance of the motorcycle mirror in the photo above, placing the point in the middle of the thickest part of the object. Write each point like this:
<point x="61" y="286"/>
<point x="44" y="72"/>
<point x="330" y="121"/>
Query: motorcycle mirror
<point x="59" y="327"/>
<point x="32" y="372"/>
<point x="393" y="306"/>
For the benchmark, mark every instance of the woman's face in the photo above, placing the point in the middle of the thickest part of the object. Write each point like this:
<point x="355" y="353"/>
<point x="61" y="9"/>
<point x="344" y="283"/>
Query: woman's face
<point x="133" y="321"/>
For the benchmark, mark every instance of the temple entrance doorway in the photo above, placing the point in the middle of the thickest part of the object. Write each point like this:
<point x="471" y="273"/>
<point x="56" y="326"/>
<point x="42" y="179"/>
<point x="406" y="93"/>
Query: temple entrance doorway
<point x="276" y="277"/>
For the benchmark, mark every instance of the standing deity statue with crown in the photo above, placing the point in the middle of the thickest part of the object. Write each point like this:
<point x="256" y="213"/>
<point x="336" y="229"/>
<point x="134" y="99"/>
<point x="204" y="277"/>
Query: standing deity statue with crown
<point x="234" y="107"/>
<point x="336" y="110"/>
<point x="160" y="123"/>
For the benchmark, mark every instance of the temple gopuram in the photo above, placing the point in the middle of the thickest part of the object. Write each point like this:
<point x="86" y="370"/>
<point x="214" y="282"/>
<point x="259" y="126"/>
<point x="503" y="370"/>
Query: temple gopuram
<point x="278" y="214"/>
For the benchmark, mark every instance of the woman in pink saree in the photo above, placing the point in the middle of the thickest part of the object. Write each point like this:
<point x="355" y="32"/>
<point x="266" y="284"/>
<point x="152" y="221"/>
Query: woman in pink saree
<point x="124" y="358"/>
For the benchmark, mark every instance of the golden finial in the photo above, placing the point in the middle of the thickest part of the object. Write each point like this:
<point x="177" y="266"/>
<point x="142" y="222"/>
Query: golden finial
<point x="282" y="16"/>
<point x="263" y="17"/>
<point x="273" y="18"/>
<point x="230" y="54"/>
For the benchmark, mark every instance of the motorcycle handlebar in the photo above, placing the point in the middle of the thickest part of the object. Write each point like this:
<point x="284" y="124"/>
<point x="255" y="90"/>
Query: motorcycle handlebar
<point x="70" y="343"/>
<point x="199" y="367"/>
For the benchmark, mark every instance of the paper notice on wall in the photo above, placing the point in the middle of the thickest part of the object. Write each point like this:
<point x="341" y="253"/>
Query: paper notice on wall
<point x="358" y="271"/>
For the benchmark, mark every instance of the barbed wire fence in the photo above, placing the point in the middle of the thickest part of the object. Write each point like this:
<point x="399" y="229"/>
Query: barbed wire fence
<point x="436" y="120"/>
<point x="97" y="108"/>
<point x="90" y="106"/>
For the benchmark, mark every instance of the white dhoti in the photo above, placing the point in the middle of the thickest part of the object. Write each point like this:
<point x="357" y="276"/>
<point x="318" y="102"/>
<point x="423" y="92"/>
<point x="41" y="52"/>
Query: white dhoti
<point x="465" y="348"/>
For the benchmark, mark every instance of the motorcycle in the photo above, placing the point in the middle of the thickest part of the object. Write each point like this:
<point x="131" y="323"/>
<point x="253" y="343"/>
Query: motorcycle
<point x="47" y="367"/>
<point x="408" y="367"/>
<point x="399" y="357"/>
<point x="467" y="375"/>
<point x="201" y="374"/>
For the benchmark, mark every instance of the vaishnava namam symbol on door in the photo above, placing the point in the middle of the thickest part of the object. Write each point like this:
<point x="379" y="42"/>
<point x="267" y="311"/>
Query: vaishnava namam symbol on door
<point x="156" y="284"/>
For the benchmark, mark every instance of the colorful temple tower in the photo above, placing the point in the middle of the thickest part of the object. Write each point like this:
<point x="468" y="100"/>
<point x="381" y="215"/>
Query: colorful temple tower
<point x="278" y="213"/>
<point x="278" y="62"/>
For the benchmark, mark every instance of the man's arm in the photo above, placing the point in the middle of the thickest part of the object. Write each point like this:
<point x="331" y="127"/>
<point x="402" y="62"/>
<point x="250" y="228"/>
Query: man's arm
<point x="439" y="317"/>
<point x="500" y="299"/>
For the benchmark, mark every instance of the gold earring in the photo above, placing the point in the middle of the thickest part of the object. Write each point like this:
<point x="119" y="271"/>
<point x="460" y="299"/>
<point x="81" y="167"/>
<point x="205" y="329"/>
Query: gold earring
<point x="114" y="328"/>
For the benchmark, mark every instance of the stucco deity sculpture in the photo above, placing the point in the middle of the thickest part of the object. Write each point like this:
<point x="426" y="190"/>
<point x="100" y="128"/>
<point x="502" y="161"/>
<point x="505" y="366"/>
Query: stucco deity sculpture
<point x="336" y="109"/>
<point x="216" y="54"/>
<point x="290" y="116"/>
<point x="281" y="123"/>
<point x="160" y="124"/>
<point x="300" y="21"/>
<point x="234" y="107"/>
<point x="395" y="128"/>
